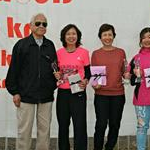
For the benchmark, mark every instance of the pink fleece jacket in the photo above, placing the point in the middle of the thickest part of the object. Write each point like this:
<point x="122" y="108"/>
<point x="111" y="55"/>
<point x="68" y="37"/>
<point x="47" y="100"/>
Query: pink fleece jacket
<point x="141" y="93"/>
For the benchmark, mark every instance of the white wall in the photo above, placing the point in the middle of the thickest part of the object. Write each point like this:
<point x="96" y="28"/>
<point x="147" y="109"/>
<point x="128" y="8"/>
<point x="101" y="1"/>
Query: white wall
<point x="128" y="17"/>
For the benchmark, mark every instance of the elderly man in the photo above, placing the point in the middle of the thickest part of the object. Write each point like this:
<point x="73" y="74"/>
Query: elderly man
<point x="31" y="81"/>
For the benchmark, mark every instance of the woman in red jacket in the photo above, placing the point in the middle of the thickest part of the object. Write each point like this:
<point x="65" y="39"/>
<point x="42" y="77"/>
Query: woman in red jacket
<point x="109" y="99"/>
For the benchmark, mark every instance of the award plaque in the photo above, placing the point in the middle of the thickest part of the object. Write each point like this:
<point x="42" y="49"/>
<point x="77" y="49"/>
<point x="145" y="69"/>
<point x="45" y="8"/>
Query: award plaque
<point x="74" y="81"/>
<point x="137" y="66"/>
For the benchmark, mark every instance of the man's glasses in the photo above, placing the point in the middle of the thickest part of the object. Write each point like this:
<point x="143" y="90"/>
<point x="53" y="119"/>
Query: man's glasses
<point x="44" y="24"/>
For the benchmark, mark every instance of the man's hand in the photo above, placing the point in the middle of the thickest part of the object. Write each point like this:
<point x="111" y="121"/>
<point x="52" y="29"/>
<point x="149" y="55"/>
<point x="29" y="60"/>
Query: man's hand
<point x="17" y="100"/>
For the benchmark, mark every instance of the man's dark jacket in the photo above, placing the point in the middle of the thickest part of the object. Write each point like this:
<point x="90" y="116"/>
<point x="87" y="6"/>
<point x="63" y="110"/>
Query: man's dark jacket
<point x="30" y="73"/>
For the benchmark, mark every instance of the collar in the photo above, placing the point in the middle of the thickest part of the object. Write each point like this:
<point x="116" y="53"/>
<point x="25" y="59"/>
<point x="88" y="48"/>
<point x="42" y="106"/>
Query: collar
<point x="33" y="42"/>
<point x="144" y="50"/>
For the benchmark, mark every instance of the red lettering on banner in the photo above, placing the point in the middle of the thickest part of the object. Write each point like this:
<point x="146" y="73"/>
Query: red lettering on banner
<point x="2" y="83"/>
<point x="11" y="28"/>
<point x="67" y="1"/>
<point x="54" y="1"/>
<point x="6" y="0"/>
<point x="64" y="1"/>
<point x="27" y="30"/>
<point x="15" y="27"/>
<point x="44" y="1"/>
<point x="5" y="58"/>
<point x="41" y="1"/>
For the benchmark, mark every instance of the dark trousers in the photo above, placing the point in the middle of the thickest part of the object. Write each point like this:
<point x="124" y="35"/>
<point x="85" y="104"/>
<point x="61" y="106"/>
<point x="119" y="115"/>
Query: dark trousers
<point x="71" y="106"/>
<point x="108" y="111"/>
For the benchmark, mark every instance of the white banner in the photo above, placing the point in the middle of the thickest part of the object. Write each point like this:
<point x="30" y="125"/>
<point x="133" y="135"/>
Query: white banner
<point x="127" y="16"/>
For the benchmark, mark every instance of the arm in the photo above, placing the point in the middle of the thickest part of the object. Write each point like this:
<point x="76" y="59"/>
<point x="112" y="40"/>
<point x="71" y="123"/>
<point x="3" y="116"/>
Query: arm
<point x="12" y="76"/>
<point x="93" y="63"/>
<point x="87" y="72"/>
<point x="133" y="76"/>
<point x="125" y="70"/>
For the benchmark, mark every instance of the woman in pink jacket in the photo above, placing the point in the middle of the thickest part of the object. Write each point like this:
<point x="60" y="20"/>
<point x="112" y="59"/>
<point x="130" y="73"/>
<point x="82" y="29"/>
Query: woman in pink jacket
<point x="140" y="78"/>
<point x="73" y="61"/>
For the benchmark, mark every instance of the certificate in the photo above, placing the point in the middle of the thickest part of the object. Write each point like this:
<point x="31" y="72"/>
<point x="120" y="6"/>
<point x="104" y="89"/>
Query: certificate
<point x="98" y="75"/>
<point x="74" y="81"/>
<point x="147" y="77"/>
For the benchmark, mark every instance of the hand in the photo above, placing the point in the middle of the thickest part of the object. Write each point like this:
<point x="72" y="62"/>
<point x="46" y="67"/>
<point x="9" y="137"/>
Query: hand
<point x="137" y="72"/>
<point x="127" y="75"/>
<point x="83" y="83"/>
<point x="17" y="100"/>
<point x="57" y="75"/>
<point x="98" y="86"/>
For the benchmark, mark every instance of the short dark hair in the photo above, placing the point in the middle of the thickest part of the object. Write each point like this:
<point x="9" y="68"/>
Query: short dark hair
<point x="64" y="31"/>
<point x="106" y="27"/>
<point x="142" y="33"/>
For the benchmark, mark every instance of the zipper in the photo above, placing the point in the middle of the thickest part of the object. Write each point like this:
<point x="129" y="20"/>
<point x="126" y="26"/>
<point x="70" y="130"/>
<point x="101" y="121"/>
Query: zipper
<point x="39" y="70"/>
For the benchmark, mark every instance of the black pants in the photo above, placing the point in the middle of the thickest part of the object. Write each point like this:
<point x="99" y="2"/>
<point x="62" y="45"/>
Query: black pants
<point x="71" y="105"/>
<point x="108" y="110"/>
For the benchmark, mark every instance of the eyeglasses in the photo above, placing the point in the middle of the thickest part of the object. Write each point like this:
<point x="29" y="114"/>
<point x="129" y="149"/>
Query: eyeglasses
<point x="44" y="24"/>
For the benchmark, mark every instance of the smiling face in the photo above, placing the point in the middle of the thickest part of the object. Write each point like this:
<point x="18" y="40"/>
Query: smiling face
<point x="71" y="37"/>
<point x="38" y="26"/>
<point x="107" y="38"/>
<point x="145" y="41"/>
